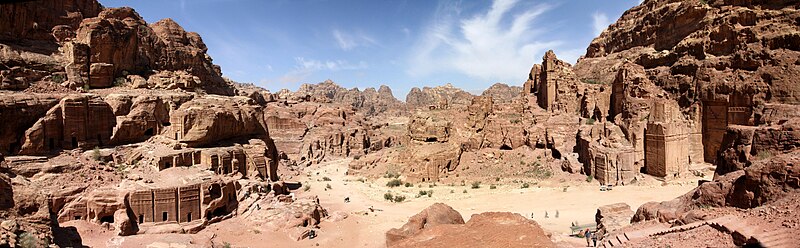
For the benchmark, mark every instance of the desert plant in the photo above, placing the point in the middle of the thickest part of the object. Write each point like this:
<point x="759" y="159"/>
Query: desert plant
<point x="388" y="196"/>
<point x="326" y="179"/>
<point x="57" y="78"/>
<point x="590" y="121"/>
<point x="96" y="153"/>
<point x="430" y="193"/>
<point x="226" y="245"/>
<point x="306" y="187"/>
<point x="86" y="87"/>
<point x="492" y="186"/>
<point x="361" y="180"/>
<point x="525" y="186"/>
<point x="390" y="174"/>
<point x="589" y="178"/>
<point x="764" y="155"/>
<point x="399" y="198"/>
<point x="409" y="185"/>
<point x="394" y="183"/>
<point x="476" y="185"/>
<point x="452" y="191"/>
<point x="328" y="186"/>
<point x="465" y="191"/>
<point x="29" y="240"/>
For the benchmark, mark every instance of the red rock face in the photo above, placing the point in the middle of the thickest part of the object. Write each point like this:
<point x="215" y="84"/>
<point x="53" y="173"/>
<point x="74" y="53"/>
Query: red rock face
<point x="35" y="20"/>
<point x="76" y="122"/>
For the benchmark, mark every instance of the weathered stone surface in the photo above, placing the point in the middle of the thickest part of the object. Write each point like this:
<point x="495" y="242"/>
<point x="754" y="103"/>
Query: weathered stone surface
<point x="369" y="101"/>
<point x="35" y="20"/>
<point x="6" y="193"/>
<point x="35" y="106"/>
<point x="611" y="217"/>
<point x="140" y="117"/>
<point x="491" y="229"/>
<point x="207" y="120"/>
<point x="606" y="154"/>
<point x="502" y="93"/>
<point x="429" y="129"/>
<point x="440" y="97"/>
<point x="78" y="121"/>
<point x="433" y="215"/>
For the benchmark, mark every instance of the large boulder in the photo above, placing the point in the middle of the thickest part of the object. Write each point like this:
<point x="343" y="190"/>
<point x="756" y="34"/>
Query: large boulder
<point x="210" y="119"/>
<point x="491" y="229"/>
<point x="436" y="214"/>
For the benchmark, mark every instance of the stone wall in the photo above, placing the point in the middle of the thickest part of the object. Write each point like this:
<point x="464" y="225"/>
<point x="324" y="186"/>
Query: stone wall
<point x="78" y="121"/>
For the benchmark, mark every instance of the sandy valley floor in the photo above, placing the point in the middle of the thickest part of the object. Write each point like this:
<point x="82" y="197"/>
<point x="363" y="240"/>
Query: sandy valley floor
<point x="364" y="228"/>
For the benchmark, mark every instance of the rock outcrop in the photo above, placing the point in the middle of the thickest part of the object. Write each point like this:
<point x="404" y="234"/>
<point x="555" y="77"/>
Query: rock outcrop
<point x="440" y="97"/>
<point x="369" y="101"/>
<point x="100" y="47"/>
<point x="490" y="229"/>
<point x="502" y="93"/>
<point x="433" y="215"/>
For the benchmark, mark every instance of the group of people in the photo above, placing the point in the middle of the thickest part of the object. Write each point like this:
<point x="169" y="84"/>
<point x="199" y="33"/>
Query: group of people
<point x="591" y="238"/>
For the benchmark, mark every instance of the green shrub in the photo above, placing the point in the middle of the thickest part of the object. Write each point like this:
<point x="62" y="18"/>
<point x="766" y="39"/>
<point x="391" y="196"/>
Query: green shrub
<point x="409" y="185"/>
<point x="326" y="179"/>
<point x="430" y="193"/>
<point x="764" y="155"/>
<point x="391" y="175"/>
<point x="465" y="191"/>
<point x="422" y="192"/>
<point x="28" y="240"/>
<point x="492" y="186"/>
<point x="525" y="186"/>
<point x="476" y="185"/>
<point x="399" y="198"/>
<point x="590" y="121"/>
<point x="328" y="186"/>
<point x="394" y="183"/>
<point x="589" y="178"/>
<point x="388" y="196"/>
<point x="96" y="153"/>
<point x="57" y="78"/>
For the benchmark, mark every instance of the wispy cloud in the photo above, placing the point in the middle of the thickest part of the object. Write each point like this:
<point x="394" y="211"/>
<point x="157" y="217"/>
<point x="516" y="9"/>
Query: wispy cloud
<point x="331" y="65"/>
<point x="499" y="44"/>
<point x="348" y="41"/>
<point x="304" y="68"/>
<point x="600" y="22"/>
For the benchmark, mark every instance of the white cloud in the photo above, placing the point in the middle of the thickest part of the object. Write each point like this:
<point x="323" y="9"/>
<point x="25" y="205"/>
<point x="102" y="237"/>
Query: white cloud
<point x="600" y="22"/>
<point x="498" y="45"/>
<point x="349" y="41"/>
<point x="304" y="68"/>
<point x="331" y="65"/>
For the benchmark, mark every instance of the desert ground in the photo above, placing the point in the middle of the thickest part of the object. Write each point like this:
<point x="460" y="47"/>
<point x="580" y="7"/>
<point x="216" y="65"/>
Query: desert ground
<point x="365" y="228"/>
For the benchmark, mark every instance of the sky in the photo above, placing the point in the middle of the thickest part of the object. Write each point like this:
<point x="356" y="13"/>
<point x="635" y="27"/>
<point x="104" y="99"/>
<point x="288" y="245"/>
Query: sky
<point x="280" y="44"/>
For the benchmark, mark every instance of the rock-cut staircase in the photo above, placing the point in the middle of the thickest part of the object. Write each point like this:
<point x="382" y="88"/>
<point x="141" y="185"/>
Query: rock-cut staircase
<point x="738" y="228"/>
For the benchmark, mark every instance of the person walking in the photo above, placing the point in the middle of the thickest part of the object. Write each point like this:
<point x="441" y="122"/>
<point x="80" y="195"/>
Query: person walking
<point x="594" y="239"/>
<point x="588" y="235"/>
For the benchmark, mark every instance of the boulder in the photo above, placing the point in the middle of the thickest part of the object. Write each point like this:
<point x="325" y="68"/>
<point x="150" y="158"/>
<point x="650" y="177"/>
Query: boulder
<point x="611" y="217"/>
<point x="491" y="229"/>
<point x="436" y="214"/>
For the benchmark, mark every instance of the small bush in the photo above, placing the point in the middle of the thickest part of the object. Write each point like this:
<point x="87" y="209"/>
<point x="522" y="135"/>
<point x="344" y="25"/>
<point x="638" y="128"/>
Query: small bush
<point x="96" y="153"/>
<point x="452" y="191"/>
<point x="362" y="180"/>
<point x="328" y="186"/>
<point x="476" y="185"/>
<point x="465" y="191"/>
<point x="590" y="121"/>
<point x="306" y="187"/>
<point x="394" y="183"/>
<point x="120" y="81"/>
<point x="589" y="178"/>
<point x="492" y="186"/>
<point x="392" y="175"/>
<point x="422" y="192"/>
<point x="388" y="196"/>
<point x="399" y="198"/>
<point x="525" y="186"/>
<point x="28" y="240"/>
<point x="327" y="179"/>
<point x="409" y="185"/>
<point x="496" y="179"/>
<point x="57" y="78"/>
<point x="86" y="87"/>
<point x="764" y="155"/>
<point x="430" y="193"/>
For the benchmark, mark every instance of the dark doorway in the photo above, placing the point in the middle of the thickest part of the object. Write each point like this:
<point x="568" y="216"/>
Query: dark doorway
<point x="148" y="132"/>
<point x="505" y="147"/>
<point x="74" y="142"/>
<point x="107" y="219"/>
<point x="51" y="143"/>
<point x="164" y="216"/>
<point x="189" y="217"/>
<point x="141" y="218"/>
<point x="77" y="217"/>
<point x="99" y="140"/>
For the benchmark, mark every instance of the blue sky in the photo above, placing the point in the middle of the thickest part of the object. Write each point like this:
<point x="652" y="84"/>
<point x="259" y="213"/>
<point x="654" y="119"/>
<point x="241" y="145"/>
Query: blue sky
<point x="279" y="44"/>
